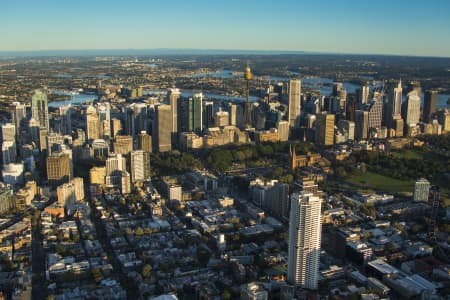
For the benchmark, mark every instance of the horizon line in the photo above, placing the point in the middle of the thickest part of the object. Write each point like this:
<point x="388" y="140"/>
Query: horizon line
<point x="186" y="50"/>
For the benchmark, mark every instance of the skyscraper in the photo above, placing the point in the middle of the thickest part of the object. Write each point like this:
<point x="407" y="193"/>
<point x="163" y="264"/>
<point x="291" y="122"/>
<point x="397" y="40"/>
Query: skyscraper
<point x="115" y="164"/>
<point x="361" y="124"/>
<point x="173" y="96"/>
<point x="411" y="111"/>
<point x="393" y="108"/>
<point x="304" y="240"/>
<point x="140" y="165"/>
<point x="59" y="169"/>
<point x="39" y="108"/>
<point x="324" y="129"/>
<point x="65" y="118"/>
<point x="104" y="118"/>
<point x="92" y="124"/>
<point x="294" y="102"/>
<point x="375" y="111"/>
<point x="363" y="95"/>
<point x="195" y="113"/>
<point x="162" y="128"/>
<point x="429" y="105"/>
<point x="145" y="142"/>
<point x="18" y="114"/>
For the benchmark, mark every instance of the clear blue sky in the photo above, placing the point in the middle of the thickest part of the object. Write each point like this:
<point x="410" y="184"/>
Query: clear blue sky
<point x="346" y="26"/>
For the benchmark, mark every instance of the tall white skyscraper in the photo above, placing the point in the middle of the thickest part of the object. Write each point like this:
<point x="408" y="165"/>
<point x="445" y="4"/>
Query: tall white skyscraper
<point x="304" y="240"/>
<point x="412" y="108"/>
<point x="397" y="99"/>
<point x="140" y="165"/>
<point x="294" y="102"/>
<point x="18" y="114"/>
<point x="364" y="95"/>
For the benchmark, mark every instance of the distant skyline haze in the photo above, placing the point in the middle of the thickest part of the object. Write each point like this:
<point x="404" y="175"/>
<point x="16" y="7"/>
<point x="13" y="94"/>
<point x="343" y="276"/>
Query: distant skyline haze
<point x="397" y="27"/>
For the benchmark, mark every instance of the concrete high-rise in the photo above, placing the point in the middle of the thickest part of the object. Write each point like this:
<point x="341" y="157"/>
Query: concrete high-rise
<point x="195" y="113"/>
<point x="65" y="120"/>
<point x="411" y="111"/>
<point x="173" y="97"/>
<point x="324" y="129"/>
<point x="236" y="115"/>
<point x="115" y="164"/>
<point x="361" y="124"/>
<point x="162" y="128"/>
<point x="304" y="240"/>
<point x="421" y="190"/>
<point x="123" y="144"/>
<point x="18" y="115"/>
<point x="363" y="95"/>
<point x="39" y="108"/>
<point x="375" y="111"/>
<point x="8" y="132"/>
<point x="59" y="169"/>
<point x="294" y="102"/>
<point x="393" y="107"/>
<point x="429" y="105"/>
<point x="145" y="142"/>
<point x="92" y="124"/>
<point x="140" y="165"/>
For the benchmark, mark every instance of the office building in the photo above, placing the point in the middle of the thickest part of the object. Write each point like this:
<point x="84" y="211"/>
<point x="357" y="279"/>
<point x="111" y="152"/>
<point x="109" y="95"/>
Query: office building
<point x="375" y="112"/>
<point x="8" y="152"/>
<point x="421" y="190"/>
<point x="125" y="183"/>
<point x="123" y="144"/>
<point x="411" y="109"/>
<point x="173" y="96"/>
<point x="140" y="165"/>
<point x="361" y="124"/>
<point x="208" y="114"/>
<point x="13" y="174"/>
<point x="294" y="102"/>
<point x="304" y="241"/>
<point x="64" y="120"/>
<point x="78" y="188"/>
<point x="115" y="163"/>
<point x="59" y="169"/>
<point x="66" y="194"/>
<point x="9" y="132"/>
<point x="145" y="142"/>
<point x="347" y="128"/>
<point x="193" y="113"/>
<point x="39" y="108"/>
<point x="429" y="105"/>
<point x="97" y="175"/>
<point x="116" y="127"/>
<point x="221" y="118"/>
<point x="18" y="115"/>
<point x="271" y="196"/>
<point x="363" y="95"/>
<point x="283" y="130"/>
<point x="162" y="128"/>
<point x="324" y="129"/>
<point x="92" y="124"/>
<point x="236" y="115"/>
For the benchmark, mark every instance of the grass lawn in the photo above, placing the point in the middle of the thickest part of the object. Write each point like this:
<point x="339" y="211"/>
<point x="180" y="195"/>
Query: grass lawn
<point x="381" y="183"/>
<point x="416" y="153"/>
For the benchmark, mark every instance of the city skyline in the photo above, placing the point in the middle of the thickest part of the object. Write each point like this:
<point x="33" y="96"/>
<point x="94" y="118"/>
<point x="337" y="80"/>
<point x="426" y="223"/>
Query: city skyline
<point x="319" y="26"/>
